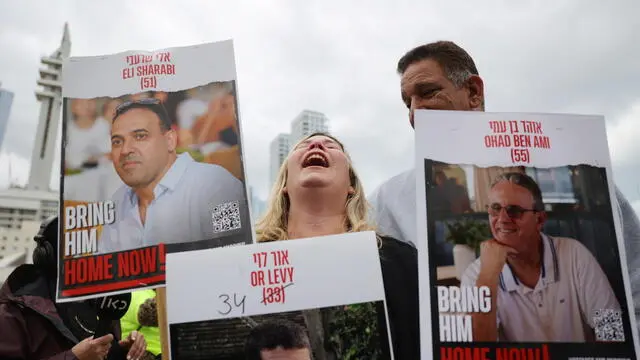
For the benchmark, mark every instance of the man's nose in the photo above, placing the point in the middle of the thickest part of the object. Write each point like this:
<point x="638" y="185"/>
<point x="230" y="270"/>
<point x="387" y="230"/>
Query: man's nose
<point x="127" y="147"/>
<point x="503" y="216"/>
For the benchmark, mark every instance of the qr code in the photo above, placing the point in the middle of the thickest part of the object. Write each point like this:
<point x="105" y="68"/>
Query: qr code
<point x="608" y="325"/>
<point x="226" y="217"/>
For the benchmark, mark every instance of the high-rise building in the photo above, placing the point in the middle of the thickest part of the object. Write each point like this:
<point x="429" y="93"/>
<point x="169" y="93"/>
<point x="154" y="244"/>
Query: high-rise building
<point x="278" y="153"/>
<point x="306" y="123"/>
<point x="6" y="98"/>
<point x="257" y="205"/>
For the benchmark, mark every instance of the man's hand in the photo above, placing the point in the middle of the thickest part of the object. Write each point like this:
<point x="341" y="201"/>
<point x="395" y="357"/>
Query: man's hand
<point x="136" y="344"/>
<point x="93" y="349"/>
<point x="493" y="256"/>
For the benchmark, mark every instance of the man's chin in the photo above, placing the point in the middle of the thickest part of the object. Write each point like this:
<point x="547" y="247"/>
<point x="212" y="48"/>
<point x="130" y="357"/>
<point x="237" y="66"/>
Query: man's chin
<point x="506" y="242"/>
<point x="133" y="183"/>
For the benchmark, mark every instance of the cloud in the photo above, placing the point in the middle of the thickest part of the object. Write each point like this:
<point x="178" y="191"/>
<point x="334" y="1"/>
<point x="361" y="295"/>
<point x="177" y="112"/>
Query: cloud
<point x="339" y="58"/>
<point x="624" y="137"/>
<point x="636" y="207"/>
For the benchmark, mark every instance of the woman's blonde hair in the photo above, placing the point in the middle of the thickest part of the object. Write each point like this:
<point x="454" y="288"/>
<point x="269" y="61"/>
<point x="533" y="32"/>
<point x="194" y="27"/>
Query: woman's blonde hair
<point x="273" y="225"/>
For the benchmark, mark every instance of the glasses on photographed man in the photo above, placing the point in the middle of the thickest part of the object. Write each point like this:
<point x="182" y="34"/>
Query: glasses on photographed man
<point x="514" y="212"/>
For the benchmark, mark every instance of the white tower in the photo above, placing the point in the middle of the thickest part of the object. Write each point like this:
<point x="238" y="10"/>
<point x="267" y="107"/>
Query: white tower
<point x="50" y="98"/>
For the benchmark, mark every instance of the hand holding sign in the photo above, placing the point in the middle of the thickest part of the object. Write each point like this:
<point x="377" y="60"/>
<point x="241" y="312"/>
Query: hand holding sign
<point x="93" y="348"/>
<point x="135" y="343"/>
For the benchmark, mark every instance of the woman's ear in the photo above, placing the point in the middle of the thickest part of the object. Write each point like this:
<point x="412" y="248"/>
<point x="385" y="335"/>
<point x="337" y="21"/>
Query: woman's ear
<point x="352" y="191"/>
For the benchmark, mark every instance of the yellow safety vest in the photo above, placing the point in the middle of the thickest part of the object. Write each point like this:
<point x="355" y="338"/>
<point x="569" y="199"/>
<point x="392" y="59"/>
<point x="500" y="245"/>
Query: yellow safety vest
<point x="129" y="322"/>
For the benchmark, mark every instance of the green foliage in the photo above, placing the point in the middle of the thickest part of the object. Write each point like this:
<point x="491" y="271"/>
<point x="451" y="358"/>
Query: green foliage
<point x="69" y="172"/>
<point x="354" y="332"/>
<point x="195" y="154"/>
<point x="468" y="232"/>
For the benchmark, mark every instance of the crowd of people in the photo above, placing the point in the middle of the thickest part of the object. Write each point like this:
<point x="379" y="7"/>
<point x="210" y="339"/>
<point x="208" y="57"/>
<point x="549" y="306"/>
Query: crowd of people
<point x="325" y="197"/>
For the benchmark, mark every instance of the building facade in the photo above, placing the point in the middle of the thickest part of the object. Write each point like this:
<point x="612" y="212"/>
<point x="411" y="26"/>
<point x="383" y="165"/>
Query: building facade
<point x="18" y="205"/>
<point x="278" y="151"/>
<point x="306" y="123"/>
<point x="258" y="206"/>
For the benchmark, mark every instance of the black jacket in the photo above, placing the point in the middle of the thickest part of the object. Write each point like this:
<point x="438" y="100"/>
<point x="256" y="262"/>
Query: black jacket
<point x="399" y="262"/>
<point x="33" y="326"/>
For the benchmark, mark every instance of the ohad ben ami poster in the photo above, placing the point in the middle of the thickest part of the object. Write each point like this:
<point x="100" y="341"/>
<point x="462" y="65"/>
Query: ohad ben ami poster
<point x="151" y="164"/>
<point x="520" y="241"/>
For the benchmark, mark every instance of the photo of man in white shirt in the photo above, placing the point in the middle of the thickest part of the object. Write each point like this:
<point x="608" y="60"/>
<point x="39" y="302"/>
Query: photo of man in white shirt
<point x="543" y="288"/>
<point x="166" y="197"/>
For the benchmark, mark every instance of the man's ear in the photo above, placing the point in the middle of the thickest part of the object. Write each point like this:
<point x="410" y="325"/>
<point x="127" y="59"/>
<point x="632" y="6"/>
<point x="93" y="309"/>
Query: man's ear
<point x="476" y="92"/>
<point x="172" y="140"/>
<point x="542" y="218"/>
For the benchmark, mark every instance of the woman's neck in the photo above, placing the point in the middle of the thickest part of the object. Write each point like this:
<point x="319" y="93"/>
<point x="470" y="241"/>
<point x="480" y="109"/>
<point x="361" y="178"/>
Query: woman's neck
<point x="315" y="217"/>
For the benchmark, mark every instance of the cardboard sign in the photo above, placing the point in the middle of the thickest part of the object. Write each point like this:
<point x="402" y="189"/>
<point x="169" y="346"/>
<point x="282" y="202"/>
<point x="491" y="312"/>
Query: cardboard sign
<point x="521" y="252"/>
<point x="151" y="164"/>
<point x="307" y="295"/>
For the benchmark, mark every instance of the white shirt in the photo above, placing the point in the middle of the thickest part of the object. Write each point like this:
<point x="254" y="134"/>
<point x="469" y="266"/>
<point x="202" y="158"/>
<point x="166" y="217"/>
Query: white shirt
<point x="394" y="207"/>
<point x="85" y="143"/>
<point x="562" y="306"/>
<point x="92" y="185"/>
<point x="394" y="213"/>
<point x="182" y="211"/>
<point x="188" y="111"/>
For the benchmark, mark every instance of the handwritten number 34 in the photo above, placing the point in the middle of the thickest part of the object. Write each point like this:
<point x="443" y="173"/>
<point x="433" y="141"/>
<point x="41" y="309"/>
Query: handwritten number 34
<point x="238" y="302"/>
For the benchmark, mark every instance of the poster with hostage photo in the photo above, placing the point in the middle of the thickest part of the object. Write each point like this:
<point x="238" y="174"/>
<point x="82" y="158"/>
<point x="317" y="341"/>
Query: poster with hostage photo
<point x="301" y="300"/>
<point x="520" y="238"/>
<point x="151" y="164"/>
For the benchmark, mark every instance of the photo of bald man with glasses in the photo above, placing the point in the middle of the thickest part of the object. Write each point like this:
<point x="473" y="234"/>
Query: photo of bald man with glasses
<point x="543" y="288"/>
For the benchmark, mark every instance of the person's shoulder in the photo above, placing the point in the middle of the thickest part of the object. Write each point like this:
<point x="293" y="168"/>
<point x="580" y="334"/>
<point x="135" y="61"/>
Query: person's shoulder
<point x="120" y="198"/>
<point x="567" y="247"/>
<point x="120" y="193"/>
<point x="395" y="181"/>
<point x="25" y="276"/>
<point x="392" y="247"/>
<point x="563" y="242"/>
<point x="102" y="123"/>
<point x="384" y="196"/>
<point x="197" y="168"/>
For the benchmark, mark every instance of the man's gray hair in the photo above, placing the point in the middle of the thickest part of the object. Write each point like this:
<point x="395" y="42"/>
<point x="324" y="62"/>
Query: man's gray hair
<point x="527" y="182"/>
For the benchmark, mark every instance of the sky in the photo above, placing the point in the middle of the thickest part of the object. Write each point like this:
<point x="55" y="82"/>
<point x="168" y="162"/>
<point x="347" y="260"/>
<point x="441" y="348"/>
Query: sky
<point x="566" y="56"/>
